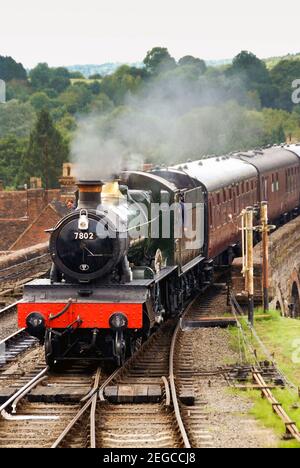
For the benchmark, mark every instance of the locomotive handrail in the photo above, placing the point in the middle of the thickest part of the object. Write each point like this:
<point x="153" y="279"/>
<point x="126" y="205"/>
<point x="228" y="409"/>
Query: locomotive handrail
<point x="63" y="311"/>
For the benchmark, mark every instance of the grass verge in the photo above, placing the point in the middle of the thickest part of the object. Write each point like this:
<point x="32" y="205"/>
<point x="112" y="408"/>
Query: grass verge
<point x="282" y="338"/>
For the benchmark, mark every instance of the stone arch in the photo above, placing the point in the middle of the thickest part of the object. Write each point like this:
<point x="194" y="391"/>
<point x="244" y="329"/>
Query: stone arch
<point x="295" y="295"/>
<point x="279" y="302"/>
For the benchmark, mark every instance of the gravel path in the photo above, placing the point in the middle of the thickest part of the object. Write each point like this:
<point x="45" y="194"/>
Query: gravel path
<point x="228" y="420"/>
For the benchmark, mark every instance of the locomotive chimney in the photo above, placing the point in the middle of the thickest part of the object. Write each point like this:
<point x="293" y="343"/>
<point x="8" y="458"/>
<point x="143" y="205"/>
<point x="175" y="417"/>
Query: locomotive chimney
<point x="89" y="197"/>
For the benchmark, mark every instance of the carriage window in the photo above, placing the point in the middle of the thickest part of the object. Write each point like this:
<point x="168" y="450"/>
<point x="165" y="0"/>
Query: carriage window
<point x="265" y="188"/>
<point x="210" y="214"/>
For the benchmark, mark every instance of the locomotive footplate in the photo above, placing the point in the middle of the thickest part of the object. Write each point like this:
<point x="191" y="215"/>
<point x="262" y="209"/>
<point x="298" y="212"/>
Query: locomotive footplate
<point x="42" y="290"/>
<point x="63" y="305"/>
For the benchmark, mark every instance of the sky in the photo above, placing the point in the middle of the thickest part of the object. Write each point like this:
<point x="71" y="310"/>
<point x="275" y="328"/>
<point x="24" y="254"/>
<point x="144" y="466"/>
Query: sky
<point x="67" y="32"/>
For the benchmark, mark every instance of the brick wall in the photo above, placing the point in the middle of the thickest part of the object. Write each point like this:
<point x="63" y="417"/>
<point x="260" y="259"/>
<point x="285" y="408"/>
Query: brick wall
<point x="22" y="265"/>
<point x="18" y="209"/>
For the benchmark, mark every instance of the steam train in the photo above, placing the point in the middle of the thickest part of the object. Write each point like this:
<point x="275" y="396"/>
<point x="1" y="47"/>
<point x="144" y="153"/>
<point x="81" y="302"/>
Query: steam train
<point x="108" y="289"/>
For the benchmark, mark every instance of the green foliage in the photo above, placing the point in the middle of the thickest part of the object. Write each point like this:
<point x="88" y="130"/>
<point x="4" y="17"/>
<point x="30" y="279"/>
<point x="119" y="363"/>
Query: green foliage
<point x="16" y="119"/>
<point x="125" y="80"/>
<point x="95" y="76"/>
<point x="189" y="60"/>
<point x="16" y="89"/>
<point x="164" y="110"/>
<point x="11" y="153"/>
<point x="76" y="98"/>
<point x="43" y="78"/>
<point x="11" y="70"/>
<point x="272" y="61"/>
<point x="76" y="75"/>
<point x="40" y="101"/>
<point x="158" y="59"/>
<point x="254" y="75"/>
<point x="282" y="75"/>
<point x="46" y="152"/>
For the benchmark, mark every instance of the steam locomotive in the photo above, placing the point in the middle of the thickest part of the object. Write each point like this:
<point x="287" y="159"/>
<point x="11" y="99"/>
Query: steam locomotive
<point x="119" y="269"/>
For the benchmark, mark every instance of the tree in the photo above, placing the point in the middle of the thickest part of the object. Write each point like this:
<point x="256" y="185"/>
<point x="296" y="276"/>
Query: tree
<point x="189" y="60"/>
<point x="11" y="70"/>
<point x="254" y="75"/>
<point x="76" y="98"/>
<point x="125" y="80"/>
<point x="40" y="101"/>
<point x="95" y="76"/>
<point x="11" y="153"/>
<point x="19" y="90"/>
<point x="60" y="79"/>
<point x="283" y="75"/>
<point x="16" y="119"/>
<point x="46" y="152"/>
<point x="278" y="135"/>
<point x="158" y="59"/>
<point x="42" y="77"/>
<point x="76" y="75"/>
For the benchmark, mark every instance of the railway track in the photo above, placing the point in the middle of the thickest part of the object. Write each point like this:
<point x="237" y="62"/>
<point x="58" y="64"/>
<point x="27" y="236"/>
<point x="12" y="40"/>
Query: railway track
<point x="158" y="399"/>
<point x="15" y="344"/>
<point x="37" y="413"/>
<point x="148" y="423"/>
<point x="8" y="320"/>
<point x="126" y="417"/>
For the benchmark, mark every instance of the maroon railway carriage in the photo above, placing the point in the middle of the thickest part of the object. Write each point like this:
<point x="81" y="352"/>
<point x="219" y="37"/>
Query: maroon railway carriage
<point x="278" y="171"/>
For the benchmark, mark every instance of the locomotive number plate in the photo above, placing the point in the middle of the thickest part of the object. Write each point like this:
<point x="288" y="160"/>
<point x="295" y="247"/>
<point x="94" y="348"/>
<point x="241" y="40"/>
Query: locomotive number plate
<point x="84" y="235"/>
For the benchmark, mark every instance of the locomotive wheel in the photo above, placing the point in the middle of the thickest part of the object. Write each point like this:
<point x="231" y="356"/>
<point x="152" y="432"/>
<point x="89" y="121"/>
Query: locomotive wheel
<point x="120" y="349"/>
<point x="51" y="351"/>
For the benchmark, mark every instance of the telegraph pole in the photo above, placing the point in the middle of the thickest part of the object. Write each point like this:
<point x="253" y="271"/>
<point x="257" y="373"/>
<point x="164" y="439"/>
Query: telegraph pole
<point x="250" y="264"/>
<point x="265" y="247"/>
<point x="265" y="228"/>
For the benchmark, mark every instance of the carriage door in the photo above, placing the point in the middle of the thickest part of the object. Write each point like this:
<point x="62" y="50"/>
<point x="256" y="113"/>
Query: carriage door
<point x="194" y="224"/>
